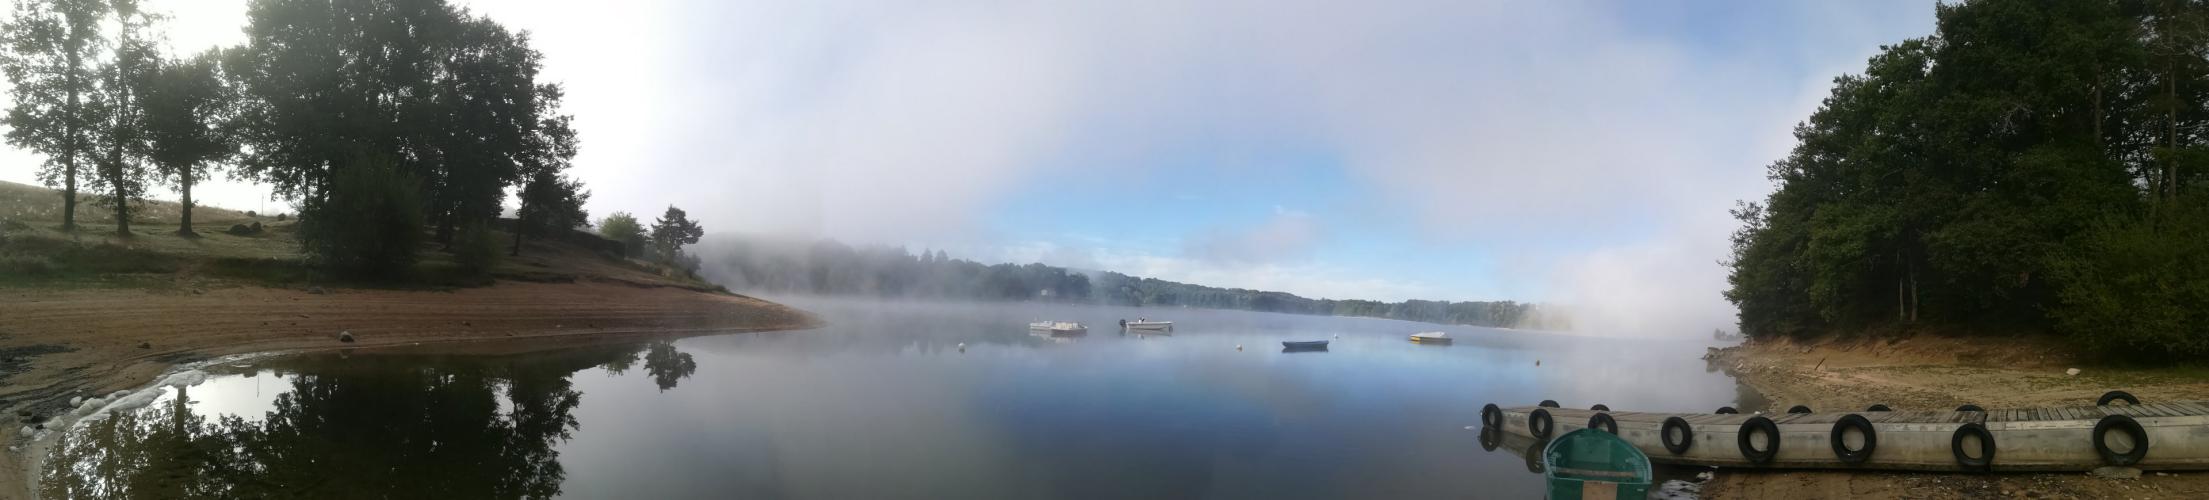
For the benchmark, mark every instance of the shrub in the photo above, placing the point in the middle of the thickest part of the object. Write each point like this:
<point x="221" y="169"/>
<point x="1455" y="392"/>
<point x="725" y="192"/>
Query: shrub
<point x="367" y="225"/>
<point x="2138" y="286"/>
<point x="476" y="250"/>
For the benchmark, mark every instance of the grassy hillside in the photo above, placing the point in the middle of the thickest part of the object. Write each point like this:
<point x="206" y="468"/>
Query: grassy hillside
<point x="35" y="252"/>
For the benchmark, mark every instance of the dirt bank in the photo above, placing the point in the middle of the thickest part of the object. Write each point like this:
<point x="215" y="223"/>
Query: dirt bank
<point x="1927" y="371"/>
<point x="59" y="343"/>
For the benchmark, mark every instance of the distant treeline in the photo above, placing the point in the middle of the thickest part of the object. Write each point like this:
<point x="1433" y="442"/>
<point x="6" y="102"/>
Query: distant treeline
<point x="833" y="268"/>
<point x="2032" y="166"/>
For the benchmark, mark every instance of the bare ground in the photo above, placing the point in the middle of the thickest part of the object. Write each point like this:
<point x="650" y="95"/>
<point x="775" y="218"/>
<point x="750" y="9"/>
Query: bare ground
<point x="59" y="343"/>
<point x="1927" y="372"/>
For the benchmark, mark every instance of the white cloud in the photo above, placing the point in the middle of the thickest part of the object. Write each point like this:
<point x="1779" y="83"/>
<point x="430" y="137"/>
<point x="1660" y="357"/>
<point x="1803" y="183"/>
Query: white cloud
<point x="1579" y="145"/>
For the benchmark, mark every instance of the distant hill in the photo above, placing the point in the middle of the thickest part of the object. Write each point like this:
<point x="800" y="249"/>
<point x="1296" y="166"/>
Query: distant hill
<point x="833" y="268"/>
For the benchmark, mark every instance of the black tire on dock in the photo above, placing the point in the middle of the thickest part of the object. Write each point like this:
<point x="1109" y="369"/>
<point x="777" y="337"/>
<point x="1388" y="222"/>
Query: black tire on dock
<point x="1971" y="407"/>
<point x="1549" y="403"/>
<point x="1799" y="409"/>
<point x="1771" y="440"/>
<point x="1840" y="441"/>
<point x="1726" y="410"/>
<point x="1539" y="425"/>
<point x="1879" y="408"/>
<point x="1603" y="421"/>
<point x="1985" y="461"/>
<point x="1490" y="438"/>
<point x="2131" y="427"/>
<point x="1600" y="407"/>
<point x="1687" y="435"/>
<point x="2115" y="396"/>
<point x="1491" y="416"/>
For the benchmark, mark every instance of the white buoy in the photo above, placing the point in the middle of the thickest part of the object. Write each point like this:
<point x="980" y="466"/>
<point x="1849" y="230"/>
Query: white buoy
<point x="1238" y="347"/>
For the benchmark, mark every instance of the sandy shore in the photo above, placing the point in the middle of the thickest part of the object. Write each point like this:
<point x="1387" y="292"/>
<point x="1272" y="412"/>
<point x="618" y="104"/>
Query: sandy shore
<point x="56" y="344"/>
<point x="1939" y="372"/>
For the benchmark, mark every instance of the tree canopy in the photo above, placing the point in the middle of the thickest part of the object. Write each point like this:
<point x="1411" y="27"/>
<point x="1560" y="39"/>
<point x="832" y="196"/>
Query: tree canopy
<point x="1985" y="177"/>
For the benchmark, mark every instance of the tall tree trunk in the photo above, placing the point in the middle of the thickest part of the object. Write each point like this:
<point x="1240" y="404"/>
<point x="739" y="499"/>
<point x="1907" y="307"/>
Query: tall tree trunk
<point x="69" y="193"/>
<point x="2170" y="160"/>
<point x="70" y="149"/>
<point x="185" y="176"/>
<point x="1902" y="306"/>
<point x="517" y="252"/>
<point x="2098" y="116"/>
<point x="1915" y="306"/>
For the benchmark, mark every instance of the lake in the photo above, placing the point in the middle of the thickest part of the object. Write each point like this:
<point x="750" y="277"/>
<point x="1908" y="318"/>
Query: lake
<point x="883" y="403"/>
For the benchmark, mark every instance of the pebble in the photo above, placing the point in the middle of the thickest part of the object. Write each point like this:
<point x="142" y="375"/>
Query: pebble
<point x="2072" y="372"/>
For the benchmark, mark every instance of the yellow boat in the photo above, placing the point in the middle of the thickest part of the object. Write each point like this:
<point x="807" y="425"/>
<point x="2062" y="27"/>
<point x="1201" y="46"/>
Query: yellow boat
<point x="1431" y="338"/>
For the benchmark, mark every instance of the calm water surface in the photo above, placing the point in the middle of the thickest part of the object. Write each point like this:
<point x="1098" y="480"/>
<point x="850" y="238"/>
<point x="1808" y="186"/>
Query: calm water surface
<point x="884" y="404"/>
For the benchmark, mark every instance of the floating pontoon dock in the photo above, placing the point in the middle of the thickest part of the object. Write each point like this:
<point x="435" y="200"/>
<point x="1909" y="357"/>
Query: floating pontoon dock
<point x="2155" y="436"/>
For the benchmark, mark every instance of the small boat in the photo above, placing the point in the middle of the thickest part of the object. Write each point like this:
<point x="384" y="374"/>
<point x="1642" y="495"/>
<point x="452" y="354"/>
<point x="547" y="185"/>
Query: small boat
<point x="1591" y="464"/>
<point x="1146" y="324"/>
<point x="1068" y="328"/>
<point x="1304" y="345"/>
<point x="1431" y="338"/>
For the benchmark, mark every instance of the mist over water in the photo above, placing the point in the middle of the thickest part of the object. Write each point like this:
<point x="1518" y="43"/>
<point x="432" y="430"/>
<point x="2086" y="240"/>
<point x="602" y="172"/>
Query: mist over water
<point x="884" y="403"/>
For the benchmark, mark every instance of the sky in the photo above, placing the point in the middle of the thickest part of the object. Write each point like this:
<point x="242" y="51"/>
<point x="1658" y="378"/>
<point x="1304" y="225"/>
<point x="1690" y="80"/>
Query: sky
<point x="1581" y="153"/>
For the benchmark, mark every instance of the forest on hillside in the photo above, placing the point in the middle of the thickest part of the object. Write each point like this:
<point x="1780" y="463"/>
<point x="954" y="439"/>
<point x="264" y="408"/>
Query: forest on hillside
<point x="828" y="267"/>
<point x="2031" y="167"/>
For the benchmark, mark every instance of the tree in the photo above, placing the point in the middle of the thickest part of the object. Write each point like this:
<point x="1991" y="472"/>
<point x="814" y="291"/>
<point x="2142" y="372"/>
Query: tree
<point x="118" y="104"/>
<point x="51" y="47"/>
<point x="551" y="203"/>
<point x="2016" y="171"/>
<point x="622" y="227"/>
<point x="673" y="230"/>
<point x="185" y="107"/>
<point x="367" y="225"/>
<point x="450" y="97"/>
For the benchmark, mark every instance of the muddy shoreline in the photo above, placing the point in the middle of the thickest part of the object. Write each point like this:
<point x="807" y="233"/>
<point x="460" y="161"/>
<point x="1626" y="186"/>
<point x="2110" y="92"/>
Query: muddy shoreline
<point x="61" y="344"/>
<point x="1936" y="372"/>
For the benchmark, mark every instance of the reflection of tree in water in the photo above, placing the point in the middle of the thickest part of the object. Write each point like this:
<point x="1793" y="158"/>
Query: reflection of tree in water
<point x="381" y="427"/>
<point x="668" y="365"/>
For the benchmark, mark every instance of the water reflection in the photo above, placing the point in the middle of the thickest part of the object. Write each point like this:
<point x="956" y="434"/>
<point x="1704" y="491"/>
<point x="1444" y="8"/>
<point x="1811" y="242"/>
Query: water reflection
<point x="886" y="403"/>
<point x="364" y="426"/>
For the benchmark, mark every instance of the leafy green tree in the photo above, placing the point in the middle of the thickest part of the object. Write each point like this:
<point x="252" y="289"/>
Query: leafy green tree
<point x="2016" y="171"/>
<point x="184" y="109"/>
<point x="673" y="230"/>
<point x="367" y="225"/>
<point x="120" y="143"/>
<point x="451" y="97"/>
<point x="622" y="227"/>
<point x="50" y="64"/>
<point x="551" y="204"/>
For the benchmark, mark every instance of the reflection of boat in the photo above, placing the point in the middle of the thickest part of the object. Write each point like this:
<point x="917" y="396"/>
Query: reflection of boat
<point x="1431" y="338"/>
<point x="1146" y="324"/>
<point x="1058" y="327"/>
<point x="1307" y="345"/>
<point x="1054" y="338"/>
<point x="1591" y="464"/>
